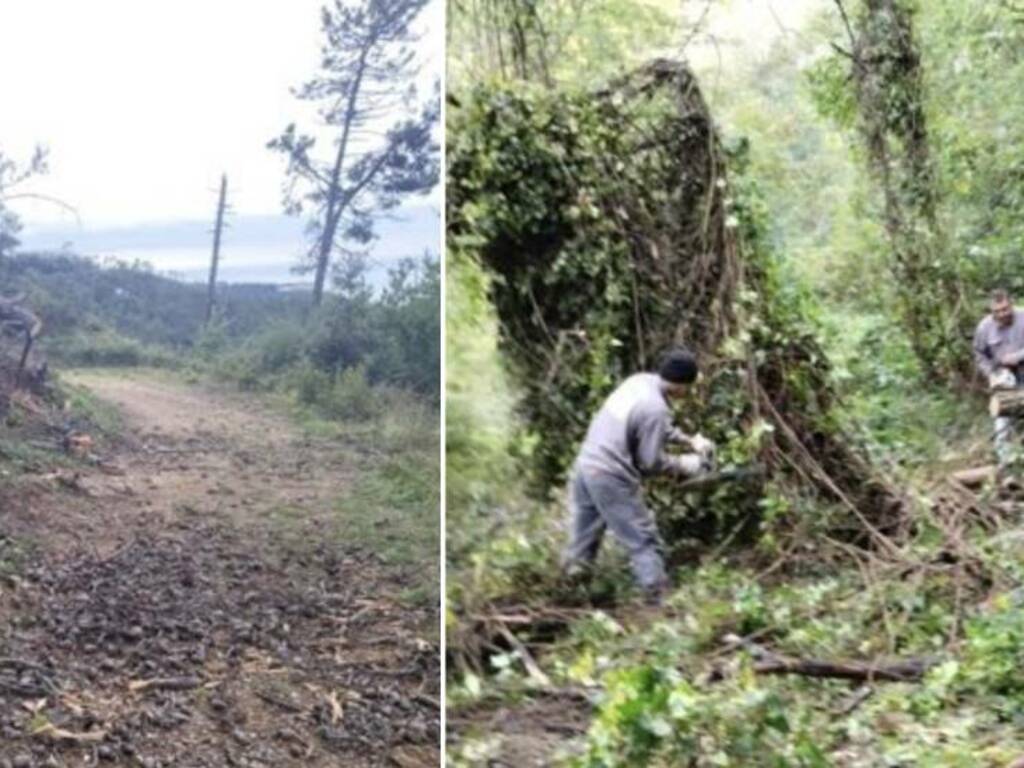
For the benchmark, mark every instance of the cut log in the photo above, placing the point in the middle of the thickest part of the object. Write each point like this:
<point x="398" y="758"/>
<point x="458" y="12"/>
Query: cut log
<point x="1008" y="402"/>
<point x="976" y="476"/>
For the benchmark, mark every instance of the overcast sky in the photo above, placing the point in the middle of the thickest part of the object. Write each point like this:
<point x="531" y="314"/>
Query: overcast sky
<point x="143" y="104"/>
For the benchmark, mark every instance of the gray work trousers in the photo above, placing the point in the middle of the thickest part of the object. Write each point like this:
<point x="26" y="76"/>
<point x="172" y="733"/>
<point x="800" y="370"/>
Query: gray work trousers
<point x="599" y="501"/>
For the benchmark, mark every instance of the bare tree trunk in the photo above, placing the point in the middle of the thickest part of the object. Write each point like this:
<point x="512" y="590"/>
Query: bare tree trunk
<point x="211" y="296"/>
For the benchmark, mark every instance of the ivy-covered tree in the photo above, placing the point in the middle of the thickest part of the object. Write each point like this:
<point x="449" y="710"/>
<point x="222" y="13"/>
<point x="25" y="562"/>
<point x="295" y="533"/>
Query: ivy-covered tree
<point x="885" y="68"/>
<point x="367" y="78"/>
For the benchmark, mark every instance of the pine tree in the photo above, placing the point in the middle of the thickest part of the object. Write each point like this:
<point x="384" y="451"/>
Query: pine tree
<point x="366" y="78"/>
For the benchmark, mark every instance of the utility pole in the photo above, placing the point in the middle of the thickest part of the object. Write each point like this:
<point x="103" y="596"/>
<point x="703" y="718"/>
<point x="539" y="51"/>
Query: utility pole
<point x="215" y="258"/>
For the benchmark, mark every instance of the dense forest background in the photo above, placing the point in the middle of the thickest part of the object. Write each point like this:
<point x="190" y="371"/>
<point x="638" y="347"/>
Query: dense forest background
<point x="872" y="192"/>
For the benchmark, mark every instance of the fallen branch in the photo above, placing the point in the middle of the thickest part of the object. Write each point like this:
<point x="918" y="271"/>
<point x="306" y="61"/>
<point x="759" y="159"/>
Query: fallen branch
<point x="1006" y="403"/>
<point x="975" y="477"/>
<point x="532" y="668"/>
<point x="23" y="690"/>
<point x="165" y="684"/>
<point x="903" y="671"/>
<point x="10" y="661"/>
<point x="278" y="701"/>
<point x="59" y="734"/>
<point x="859" y="696"/>
<point x="429" y="701"/>
<point x="767" y="662"/>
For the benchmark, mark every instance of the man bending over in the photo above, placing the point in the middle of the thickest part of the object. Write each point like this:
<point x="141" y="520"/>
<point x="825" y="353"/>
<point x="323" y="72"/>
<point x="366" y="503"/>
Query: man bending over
<point x="625" y="443"/>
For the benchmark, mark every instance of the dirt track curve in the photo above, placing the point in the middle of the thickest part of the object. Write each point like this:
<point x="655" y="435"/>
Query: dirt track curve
<point x="183" y="605"/>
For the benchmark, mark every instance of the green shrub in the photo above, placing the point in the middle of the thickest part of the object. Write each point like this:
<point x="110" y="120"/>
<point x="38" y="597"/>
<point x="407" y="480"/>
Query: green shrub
<point x="993" y="657"/>
<point x="351" y="396"/>
<point x="348" y="396"/>
<point x="278" y="347"/>
<point x="107" y="349"/>
<point x="213" y="338"/>
<point x="309" y="384"/>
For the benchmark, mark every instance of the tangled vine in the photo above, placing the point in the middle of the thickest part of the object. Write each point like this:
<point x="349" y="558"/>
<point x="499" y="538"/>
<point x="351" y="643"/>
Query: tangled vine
<point x="612" y="228"/>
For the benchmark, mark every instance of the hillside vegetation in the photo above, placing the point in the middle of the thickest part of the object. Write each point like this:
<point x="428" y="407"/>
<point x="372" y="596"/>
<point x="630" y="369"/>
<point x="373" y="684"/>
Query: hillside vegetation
<point x="126" y="314"/>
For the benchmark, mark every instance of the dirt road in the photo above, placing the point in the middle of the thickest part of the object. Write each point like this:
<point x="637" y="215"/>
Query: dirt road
<point x="188" y="597"/>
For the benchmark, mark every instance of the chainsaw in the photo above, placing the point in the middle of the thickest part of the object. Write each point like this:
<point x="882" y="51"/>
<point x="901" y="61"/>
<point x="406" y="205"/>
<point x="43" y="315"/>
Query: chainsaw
<point x="711" y="480"/>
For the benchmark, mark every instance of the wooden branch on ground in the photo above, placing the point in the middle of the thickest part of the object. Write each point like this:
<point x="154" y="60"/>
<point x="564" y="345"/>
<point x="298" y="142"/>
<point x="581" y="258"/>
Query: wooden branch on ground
<point x="768" y="662"/>
<point x="428" y="700"/>
<point x="851" y="704"/>
<point x="901" y="671"/>
<point x="165" y="684"/>
<point x="976" y="476"/>
<point x="532" y="668"/>
<point x="277" y="701"/>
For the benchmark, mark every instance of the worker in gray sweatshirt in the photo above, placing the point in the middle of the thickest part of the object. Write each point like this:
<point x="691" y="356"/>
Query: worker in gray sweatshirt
<point x="999" y="357"/>
<point x="625" y="443"/>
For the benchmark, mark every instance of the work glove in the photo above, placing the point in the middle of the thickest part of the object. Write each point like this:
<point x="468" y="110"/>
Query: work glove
<point x="690" y="465"/>
<point x="1010" y="359"/>
<point x="1002" y="378"/>
<point x="705" y="449"/>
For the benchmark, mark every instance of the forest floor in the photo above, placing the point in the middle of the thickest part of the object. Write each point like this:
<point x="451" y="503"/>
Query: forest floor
<point x="206" y="590"/>
<point x="527" y="723"/>
<point x="538" y="681"/>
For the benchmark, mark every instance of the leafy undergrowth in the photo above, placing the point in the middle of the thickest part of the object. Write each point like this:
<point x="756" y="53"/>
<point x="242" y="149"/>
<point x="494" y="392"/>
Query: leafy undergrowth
<point x="681" y="686"/>
<point x="686" y="685"/>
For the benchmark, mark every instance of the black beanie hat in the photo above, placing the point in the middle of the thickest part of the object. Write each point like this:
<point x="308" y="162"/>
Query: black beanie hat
<point x="678" y="366"/>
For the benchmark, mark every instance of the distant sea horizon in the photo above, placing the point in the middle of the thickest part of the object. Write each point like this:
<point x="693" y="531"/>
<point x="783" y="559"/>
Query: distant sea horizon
<point x="254" y="248"/>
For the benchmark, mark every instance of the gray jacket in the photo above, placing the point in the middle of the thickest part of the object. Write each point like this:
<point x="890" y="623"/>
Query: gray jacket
<point x="627" y="437"/>
<point x="992" y="341"/>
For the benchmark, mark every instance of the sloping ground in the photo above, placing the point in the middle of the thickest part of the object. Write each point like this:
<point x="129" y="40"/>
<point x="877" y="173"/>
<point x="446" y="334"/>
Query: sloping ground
<point x="191" y="596"/>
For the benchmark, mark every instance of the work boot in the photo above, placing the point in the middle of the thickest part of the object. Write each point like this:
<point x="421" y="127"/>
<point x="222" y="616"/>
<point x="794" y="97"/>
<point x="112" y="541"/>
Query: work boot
<point x="576" y="579"/>
<point x="654" y="597"/>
